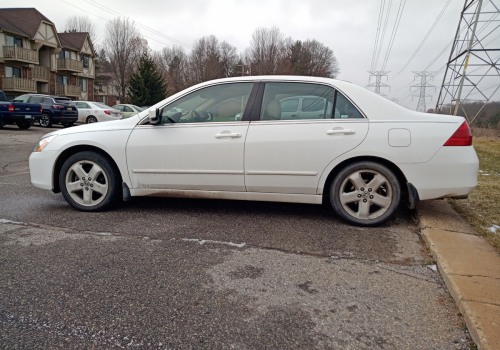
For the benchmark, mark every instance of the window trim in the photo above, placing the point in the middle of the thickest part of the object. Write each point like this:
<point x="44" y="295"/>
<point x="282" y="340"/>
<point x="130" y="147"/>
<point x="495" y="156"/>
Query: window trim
<point x="260" y="98"/>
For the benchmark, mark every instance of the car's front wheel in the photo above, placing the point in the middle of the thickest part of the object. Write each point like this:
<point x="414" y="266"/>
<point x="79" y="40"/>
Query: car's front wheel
<point x="365" y="193"/>
<point x="88" y="182"/>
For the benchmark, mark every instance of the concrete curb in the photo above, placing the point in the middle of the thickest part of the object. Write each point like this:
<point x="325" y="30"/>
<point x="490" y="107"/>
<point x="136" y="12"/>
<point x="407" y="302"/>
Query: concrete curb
<point x="470" y="268"/>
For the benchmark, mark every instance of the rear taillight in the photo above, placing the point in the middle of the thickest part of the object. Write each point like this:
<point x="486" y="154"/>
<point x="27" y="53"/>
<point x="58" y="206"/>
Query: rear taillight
<point x="461" y="137"/>
<point x="11" y="108"/>
<point x="107" y="112"/>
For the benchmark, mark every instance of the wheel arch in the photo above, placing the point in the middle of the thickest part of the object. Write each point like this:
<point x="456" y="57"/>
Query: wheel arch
<point x="91" y="115"/>
<point x="393" y="167"/>
<point x="76" y="149"/>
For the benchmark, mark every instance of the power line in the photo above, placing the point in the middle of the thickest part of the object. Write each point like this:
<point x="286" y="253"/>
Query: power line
<point x="377" y="35"/>
<point x="394" y="32"/>
<point x="426" y="37"/>
<point x="139" y="24"/>
<point x="381" y="42"/>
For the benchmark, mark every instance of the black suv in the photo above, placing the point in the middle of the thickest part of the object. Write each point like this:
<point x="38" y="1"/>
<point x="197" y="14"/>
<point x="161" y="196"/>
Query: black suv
<point x="55" y="109"/>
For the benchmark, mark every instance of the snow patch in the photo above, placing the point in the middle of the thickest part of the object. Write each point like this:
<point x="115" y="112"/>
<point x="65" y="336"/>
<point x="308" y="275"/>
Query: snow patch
<point x="493" y="228"/>
<point x="5" y="221"/>
<point x="208" y="241"/>
<point x="432" y="267"/>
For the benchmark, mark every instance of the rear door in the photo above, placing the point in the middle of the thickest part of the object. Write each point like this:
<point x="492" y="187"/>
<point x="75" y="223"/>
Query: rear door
<point x="287" y="152"/>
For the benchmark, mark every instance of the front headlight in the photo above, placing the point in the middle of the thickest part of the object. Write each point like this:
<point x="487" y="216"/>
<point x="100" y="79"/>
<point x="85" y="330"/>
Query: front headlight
<point x="43" y="143"/>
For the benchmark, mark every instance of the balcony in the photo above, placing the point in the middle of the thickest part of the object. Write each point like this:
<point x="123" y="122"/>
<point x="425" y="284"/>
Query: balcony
<point x="40" y="73"/>
<point x="68" y="90"/>
<point x="19" y="54"/>
<point x="67" y="64"/>
<point x="14" y="84"/>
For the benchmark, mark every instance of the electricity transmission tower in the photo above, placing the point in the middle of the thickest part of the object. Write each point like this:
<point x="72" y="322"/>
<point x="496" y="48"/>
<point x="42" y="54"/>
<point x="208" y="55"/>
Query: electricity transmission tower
<point x="424" y="76"/>
<point x="473" y="69"/>
<point x="377" y="84"/>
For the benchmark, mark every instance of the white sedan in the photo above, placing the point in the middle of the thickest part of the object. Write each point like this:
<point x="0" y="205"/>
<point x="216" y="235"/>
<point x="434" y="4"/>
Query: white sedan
<point x="234" y="139"/>
<point x="93" y="112"/>
<point x="127" y="110"/>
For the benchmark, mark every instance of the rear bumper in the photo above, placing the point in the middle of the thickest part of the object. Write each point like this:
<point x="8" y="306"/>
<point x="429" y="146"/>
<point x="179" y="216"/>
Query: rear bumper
<point x="64" y="116"/>
<point x="451" y="173"/>
<point x="13" y="118"/>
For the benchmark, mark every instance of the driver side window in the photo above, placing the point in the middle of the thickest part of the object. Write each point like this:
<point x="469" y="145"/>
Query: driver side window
<point x="219" y="103"/>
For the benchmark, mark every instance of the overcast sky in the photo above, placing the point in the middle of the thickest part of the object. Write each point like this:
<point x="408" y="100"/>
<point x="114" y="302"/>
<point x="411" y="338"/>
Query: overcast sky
<point x="348" y="27"/>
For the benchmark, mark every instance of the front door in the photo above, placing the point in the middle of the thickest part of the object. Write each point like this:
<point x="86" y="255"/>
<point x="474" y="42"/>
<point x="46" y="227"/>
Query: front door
<point x="198" y="145"/>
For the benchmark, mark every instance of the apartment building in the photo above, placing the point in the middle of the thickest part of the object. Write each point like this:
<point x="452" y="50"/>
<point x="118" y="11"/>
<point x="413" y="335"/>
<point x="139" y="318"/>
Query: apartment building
<point x="35" y="58"/>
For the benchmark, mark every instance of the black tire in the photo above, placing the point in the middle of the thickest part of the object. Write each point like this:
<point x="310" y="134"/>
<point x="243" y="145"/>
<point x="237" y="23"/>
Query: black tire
<point x="45" y="121"/>
<point x="24" y="124"/>
<point x="365" y="193"/>
<point x="91" y="119"/>
<point x="94" y="186"/>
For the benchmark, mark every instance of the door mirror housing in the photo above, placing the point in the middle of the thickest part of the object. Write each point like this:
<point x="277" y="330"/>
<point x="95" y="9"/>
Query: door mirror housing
<point x="154" y="116"/>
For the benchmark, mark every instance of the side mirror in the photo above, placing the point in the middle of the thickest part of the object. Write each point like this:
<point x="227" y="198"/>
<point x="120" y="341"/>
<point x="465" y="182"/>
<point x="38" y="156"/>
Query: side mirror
<point x="154" y="116"/>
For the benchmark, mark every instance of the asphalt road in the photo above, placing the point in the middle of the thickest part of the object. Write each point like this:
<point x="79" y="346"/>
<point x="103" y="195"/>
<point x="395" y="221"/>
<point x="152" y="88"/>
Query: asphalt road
<point x="200" y="274"/>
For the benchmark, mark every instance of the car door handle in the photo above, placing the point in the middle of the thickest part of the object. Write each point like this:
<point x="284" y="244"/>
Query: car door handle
<point x="233" y="135"/>
<point x="340" y="131"/>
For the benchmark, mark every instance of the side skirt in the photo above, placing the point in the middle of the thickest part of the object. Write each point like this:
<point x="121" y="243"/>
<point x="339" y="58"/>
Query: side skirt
<point x="246" y="196"/>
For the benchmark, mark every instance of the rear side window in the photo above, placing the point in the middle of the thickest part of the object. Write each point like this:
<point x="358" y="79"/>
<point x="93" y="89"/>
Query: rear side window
<point x="38" y="99"/>
<point x="344" y="109"/>
<point x="82" y="105"/>
<point x="313" y="104"/>
<point x="296" y="101"/>
<point x="302" y="101"/>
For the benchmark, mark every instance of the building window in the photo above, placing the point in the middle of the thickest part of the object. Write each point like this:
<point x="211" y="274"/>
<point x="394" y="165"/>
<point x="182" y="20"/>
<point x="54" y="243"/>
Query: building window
<point x="14" y="41"/>
<point x="62" y="80"/>
<point x="12" y="72"/>
<point x="83" y="84"/>
<point x="85" y="59"/>
<point x="64" y="54"/>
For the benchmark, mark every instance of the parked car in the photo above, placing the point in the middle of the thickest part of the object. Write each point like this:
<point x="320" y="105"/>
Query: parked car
<point x="364" y="154"/>
<point x="93" y="112"/>
<point x="19" y="113"/>
<point x="128" y="110"/>
<point x="55" y="109"/>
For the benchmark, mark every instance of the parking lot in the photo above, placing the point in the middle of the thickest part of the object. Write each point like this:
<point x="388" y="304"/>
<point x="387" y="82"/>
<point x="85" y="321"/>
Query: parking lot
<point x="198" y="274"/>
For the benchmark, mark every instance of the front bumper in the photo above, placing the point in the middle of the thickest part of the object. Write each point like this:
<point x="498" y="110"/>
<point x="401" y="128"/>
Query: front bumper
<point x="41" y="165"/>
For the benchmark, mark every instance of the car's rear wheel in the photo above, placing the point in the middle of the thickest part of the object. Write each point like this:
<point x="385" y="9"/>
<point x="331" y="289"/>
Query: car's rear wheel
<point x="88" y="182"/>
<point x="45" y="121"/>
<point x="365" y="193"/>
<point x="24" y="124"/>
<point x="91" y="119"/>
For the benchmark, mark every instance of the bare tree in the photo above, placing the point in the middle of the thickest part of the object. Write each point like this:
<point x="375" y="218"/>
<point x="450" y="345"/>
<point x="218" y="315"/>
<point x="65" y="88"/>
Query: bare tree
<point x="309" y="58"/>
<point x="229" y="59"/>
<point x="82" y="24"/>
<point x="173" y="64"/>
<point x="266" y="50"/>
<point x="124" y="45"/>
<point x="211" y="59"/>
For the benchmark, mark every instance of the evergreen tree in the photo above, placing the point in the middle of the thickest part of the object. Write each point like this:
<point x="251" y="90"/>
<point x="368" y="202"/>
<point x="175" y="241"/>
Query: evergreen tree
<point x="146" y="85"/>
